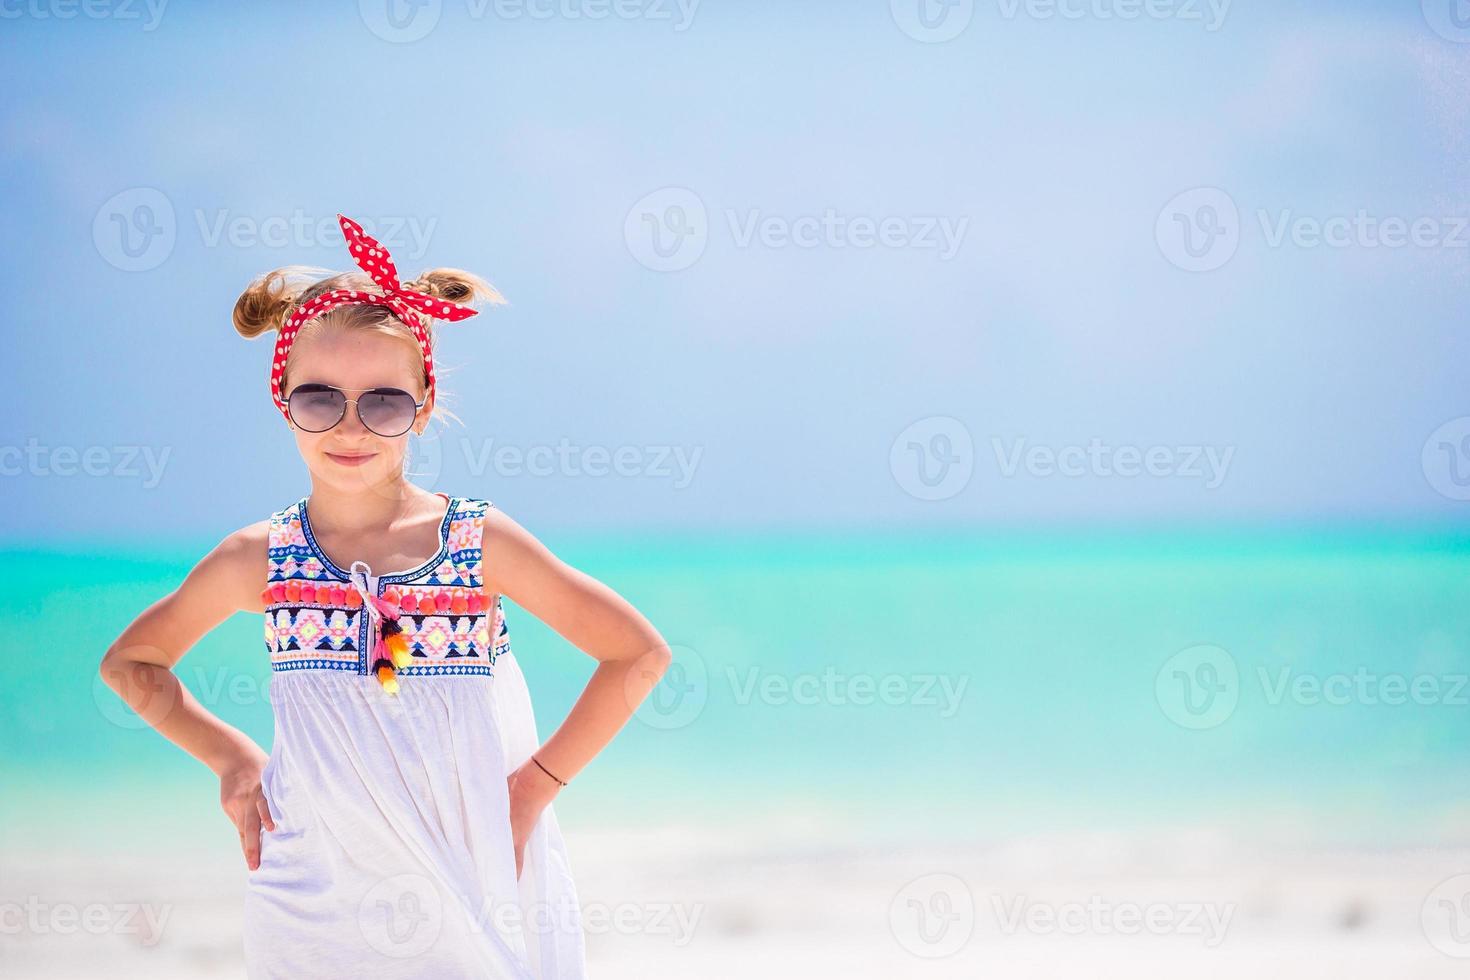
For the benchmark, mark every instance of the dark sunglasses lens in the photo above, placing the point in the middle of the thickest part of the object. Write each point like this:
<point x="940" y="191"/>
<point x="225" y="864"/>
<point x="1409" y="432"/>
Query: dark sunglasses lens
<point x="316" y="408"/>
<point x="387" y="411"/>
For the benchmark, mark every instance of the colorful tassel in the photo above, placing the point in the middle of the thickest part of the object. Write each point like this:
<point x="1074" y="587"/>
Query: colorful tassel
<point x="391" y="648"/>
<point x="384" y="670"/>
<point x="397" y="645"/>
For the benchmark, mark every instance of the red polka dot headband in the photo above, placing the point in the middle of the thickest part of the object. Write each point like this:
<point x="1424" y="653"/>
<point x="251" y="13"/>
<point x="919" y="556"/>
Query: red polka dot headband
<point x="371" y="257"/>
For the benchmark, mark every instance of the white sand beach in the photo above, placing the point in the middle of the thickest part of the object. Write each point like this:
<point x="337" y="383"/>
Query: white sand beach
<point x="677" y="902"/>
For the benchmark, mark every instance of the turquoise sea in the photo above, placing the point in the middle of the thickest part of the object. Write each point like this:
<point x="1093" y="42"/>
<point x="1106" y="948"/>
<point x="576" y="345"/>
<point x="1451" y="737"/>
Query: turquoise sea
<point x="903" y="684"/>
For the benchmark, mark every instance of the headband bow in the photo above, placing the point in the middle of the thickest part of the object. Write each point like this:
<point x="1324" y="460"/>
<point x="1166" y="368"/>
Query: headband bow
<point x="371" y="257"/>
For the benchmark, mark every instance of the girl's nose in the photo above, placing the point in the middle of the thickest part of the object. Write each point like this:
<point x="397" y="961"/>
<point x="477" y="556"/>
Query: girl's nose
<point x="351" y="421"/>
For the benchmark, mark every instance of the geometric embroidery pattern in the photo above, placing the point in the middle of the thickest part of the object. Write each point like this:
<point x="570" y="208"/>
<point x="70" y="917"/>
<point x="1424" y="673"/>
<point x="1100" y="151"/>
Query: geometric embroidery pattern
<point x="314" y="618"/>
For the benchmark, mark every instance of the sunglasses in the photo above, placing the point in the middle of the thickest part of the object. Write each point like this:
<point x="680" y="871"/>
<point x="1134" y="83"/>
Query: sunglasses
<point x="387" y="412"/>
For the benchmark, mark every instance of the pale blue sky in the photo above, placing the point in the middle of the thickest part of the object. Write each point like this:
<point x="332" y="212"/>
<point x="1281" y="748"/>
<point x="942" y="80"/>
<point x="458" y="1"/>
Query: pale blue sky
<point x="764" y="382"/>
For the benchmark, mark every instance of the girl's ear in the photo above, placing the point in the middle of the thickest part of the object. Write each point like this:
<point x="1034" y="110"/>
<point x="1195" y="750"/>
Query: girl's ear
<point x="425" y="414"/>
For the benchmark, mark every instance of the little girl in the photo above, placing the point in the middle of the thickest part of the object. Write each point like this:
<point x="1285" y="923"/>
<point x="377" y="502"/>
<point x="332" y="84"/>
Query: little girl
<point x="401" y="825"/>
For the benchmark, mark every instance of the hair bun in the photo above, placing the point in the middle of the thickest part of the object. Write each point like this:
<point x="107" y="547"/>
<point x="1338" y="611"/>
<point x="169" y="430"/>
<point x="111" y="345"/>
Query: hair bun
<point x="456" y="286"/>
<point x="265" y="302"/>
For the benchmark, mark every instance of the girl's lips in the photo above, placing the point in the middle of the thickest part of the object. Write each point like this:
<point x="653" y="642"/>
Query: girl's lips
<point x="350" y="460"/>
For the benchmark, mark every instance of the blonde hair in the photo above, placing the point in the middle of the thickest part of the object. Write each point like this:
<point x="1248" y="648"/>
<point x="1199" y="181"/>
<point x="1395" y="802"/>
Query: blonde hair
<point x="266" y="302"/>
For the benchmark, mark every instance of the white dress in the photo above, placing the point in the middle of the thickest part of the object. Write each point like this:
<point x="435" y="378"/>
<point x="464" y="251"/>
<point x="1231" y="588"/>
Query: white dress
<point x="392" y="854"/>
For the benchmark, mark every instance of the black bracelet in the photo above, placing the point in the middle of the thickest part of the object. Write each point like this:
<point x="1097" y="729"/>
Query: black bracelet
<point x="547" y="771"/>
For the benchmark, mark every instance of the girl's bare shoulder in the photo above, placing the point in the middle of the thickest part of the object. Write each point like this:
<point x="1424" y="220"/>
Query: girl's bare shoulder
<point x="502" y="534"/>
<point x="513" y="557"/>
<point x="236" y="567"/>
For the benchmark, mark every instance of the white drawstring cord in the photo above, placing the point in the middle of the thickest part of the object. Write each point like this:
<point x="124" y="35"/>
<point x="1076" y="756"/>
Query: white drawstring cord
<point x="365" y="590"/>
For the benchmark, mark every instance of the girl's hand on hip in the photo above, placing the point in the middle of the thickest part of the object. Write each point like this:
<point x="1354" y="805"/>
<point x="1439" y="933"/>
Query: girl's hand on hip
<point x="244" y="803"/>
<point x="531" y="790"/>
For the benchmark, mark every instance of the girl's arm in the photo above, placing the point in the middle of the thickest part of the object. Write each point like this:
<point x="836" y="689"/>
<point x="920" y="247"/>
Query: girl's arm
<point x="139" y="667"/>
<point x="631" y="656"/>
